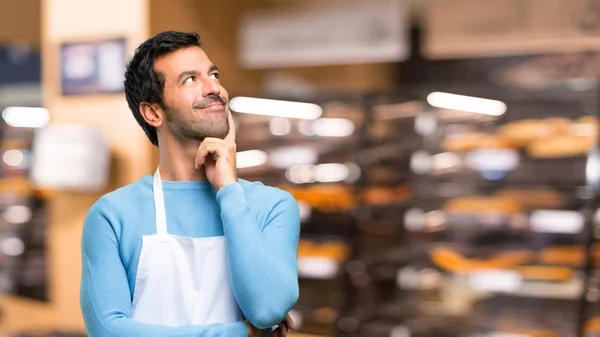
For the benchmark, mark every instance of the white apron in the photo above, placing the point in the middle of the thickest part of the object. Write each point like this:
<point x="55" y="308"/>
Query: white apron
<point x="181" y="280"/>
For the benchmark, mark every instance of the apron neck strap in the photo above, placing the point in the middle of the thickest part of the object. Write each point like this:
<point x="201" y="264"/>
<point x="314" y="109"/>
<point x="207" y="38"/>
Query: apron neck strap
<point x="159" y="204"/>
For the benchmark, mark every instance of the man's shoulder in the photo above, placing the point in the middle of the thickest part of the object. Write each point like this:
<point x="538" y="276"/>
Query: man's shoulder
<point x="113" y="210"/>
<point x="127" y="194"/>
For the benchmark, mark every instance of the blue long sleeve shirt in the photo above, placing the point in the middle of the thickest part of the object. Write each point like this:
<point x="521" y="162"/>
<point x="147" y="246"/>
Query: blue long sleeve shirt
<point x="261" y="225"/>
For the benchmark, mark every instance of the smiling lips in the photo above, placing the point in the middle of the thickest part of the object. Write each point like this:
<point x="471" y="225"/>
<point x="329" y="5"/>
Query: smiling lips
<point x="215" y="105"/>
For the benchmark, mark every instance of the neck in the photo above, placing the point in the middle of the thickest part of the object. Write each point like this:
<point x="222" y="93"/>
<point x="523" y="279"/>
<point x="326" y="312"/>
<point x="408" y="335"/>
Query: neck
<point x="177" y="160"/>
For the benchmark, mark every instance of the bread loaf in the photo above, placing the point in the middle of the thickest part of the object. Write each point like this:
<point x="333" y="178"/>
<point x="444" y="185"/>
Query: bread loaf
<point x="561" y="146"/>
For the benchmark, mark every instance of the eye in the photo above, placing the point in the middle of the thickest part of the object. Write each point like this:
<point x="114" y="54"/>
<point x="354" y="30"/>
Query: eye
<point x="214" y="76"/>
<point x="190" y="79"/>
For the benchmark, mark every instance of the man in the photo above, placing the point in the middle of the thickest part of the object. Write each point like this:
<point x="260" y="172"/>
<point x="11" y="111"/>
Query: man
<point x="192" y="250"/>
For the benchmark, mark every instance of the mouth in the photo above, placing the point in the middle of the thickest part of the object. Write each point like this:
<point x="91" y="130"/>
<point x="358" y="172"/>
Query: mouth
<point x="214" y="106"/>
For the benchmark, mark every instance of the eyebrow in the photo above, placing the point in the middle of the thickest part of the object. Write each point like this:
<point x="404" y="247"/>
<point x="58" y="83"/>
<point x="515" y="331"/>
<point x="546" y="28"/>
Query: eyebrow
<point x="212" y="68"/>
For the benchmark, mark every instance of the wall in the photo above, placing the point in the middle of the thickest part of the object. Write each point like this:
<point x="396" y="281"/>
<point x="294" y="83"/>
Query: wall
<point x="20" y="22"/>
<point x="132" y="152"/>
<point x="216" y="22"/>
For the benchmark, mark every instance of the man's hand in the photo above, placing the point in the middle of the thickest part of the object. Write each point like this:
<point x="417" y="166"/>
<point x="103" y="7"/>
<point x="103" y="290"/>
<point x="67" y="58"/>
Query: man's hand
<point x="218" y="157"/>
<point x="284" y="327"/>
<point x="281" y="331"/>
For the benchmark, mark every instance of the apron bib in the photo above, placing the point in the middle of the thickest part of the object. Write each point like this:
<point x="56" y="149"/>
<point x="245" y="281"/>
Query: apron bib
<point x="182" y="280"/>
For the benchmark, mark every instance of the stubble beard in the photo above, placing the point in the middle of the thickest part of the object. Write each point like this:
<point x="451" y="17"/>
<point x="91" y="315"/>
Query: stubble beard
<point x="195" y="128"/>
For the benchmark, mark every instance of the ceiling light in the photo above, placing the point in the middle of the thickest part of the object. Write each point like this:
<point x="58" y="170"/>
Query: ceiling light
<point x="556" y="221"/>
<point x="280" y="126"/>
<point x="327" y="127"/>
<point x="284" y="157"/>
<point x="321" y="173"/>
<point x="23" y="117"/>
<point x="269" y="107"/>
<point x="250" y="158"/>
<point x="466" y="103"/>
<point x="13" y="158"/>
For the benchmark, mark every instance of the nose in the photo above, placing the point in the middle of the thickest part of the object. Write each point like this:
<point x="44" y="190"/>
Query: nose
<point x="211" y="87"/>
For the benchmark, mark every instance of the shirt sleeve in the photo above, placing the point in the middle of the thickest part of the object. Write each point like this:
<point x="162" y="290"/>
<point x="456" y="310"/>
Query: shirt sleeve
<point x="105" y="296"/>
<point x="262" y="253"/>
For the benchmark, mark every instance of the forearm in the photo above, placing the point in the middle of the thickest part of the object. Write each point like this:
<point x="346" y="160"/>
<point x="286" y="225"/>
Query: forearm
<point x="263" y="266"/>
<point x="110" y="316"/>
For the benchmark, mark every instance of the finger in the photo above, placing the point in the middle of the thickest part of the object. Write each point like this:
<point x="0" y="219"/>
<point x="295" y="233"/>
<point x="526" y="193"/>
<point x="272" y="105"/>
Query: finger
<point x="280" y="331"/>
<point x="289" y="322"/>
<point x="218" y="141"/>
<point x="201" y="154"/>
<point x="209" y="148"/>
<point x="283" y="330"/>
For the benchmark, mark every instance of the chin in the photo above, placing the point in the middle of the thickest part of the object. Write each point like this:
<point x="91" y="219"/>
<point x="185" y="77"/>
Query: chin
<point x="220" y="133"/>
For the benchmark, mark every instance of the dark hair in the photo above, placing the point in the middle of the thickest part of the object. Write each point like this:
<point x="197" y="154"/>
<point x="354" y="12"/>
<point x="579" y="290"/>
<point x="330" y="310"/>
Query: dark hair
<point x="143" y="83"/>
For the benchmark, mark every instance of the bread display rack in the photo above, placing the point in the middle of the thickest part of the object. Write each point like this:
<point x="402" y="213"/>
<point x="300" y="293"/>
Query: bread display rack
<point x="490" y="225"/>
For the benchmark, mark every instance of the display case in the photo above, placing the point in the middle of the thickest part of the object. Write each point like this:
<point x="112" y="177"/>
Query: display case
<point x="432" y="218"/>
<point x="495" y="233"/>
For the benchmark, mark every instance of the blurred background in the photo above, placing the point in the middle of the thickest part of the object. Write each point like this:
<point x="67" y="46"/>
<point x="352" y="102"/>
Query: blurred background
<point x="443" y="153"/>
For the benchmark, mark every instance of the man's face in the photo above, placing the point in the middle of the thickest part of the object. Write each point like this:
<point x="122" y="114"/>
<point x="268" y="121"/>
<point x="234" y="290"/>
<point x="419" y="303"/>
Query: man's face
<point x="196" y="105"/>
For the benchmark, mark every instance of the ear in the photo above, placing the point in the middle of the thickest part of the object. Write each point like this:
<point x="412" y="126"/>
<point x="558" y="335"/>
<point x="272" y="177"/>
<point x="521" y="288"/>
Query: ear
<point x="151" y="113"/>
<point x="231" y="135"/>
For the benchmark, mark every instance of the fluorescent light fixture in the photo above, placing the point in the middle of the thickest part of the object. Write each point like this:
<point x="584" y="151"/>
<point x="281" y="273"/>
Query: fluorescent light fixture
<point x="280" y="126"/>
<point x="321" y="173"/>
<point x="354" y="173"/>
<point x="12" y="246"/>
<point x="415" y="220"/>
<point x="13" y="158"/>
<point x="466" y="103"/>
<point x="421" y="162"/>
<point x="284" y="157"/>
<point x="317" y="267"/>
<point x="300" y="174"/>
<point x="250" y="158"/>
<point x="276" y="108"/>
<point x="330" y="173"/>
<point x="445" y="160"/>
<point x="496" y="280"/>
<point x="496" y="160"/>
<point x="556" y="221"/>
<point x="592" y="168"/>
<point x="327" y="127"/>
<point x="17" y="214"/>
<point x="24" y="117"/>
<point x="305" y="128"/>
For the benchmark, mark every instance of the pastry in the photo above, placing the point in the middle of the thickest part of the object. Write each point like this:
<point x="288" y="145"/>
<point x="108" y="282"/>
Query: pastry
<point x="561" y="146"/>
